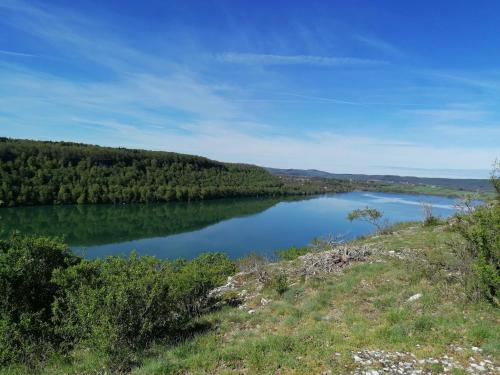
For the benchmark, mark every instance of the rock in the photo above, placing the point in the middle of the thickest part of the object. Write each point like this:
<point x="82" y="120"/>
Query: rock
<point x="414" y="297"/>
<point x="251" y="311"/>
<point x="264" y="301"/>
<point x="476" y="349"/>
<point x="332" y="260"/>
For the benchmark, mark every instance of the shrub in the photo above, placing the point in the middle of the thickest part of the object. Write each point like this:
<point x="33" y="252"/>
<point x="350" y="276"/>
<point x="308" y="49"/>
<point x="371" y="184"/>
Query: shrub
<point x="292" y="253"/>
<point x="429" y="219"/>
<point x="118" y="306"/>
<point x="251" y="262"/>
<point x="480" y="257"/>
<point x="53" y="300"/>
<point x="278" y="282"/>
<point x="372" y="216"/>
<point x="256" y="264"/>
<point x="27" y="290"/>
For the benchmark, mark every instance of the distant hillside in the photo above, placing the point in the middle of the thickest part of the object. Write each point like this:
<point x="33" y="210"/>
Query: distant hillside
<point x="36" y="172"/>
<point x="481" y="185"/>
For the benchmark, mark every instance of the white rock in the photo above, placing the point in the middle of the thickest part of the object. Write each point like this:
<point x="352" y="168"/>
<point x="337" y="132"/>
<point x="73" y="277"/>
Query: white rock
<point x="476" y="349"/>
<point x="357" y="359"/>
<point x="251" y="311"/>
<point x="414" y="297"/>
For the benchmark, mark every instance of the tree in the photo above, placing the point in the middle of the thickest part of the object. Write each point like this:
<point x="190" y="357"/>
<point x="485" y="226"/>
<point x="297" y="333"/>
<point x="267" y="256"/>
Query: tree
<point x="370" y="215"/>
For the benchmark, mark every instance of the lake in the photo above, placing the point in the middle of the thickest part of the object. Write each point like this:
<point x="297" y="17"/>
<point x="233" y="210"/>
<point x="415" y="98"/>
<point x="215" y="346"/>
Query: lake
<point x="234" y="226"/>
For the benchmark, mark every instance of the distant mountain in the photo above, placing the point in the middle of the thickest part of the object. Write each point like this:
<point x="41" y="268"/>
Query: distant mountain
<point x="482" y="185"/>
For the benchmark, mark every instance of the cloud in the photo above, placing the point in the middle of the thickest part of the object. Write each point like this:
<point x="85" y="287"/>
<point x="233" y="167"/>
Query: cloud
<point x="16" y="54"/>
<point x="449" y="114"/>
<point x="379" y="45"/>
<point x="270" y="59"/>
<point x="152" y="102"/>
<point x="488" y="82"/>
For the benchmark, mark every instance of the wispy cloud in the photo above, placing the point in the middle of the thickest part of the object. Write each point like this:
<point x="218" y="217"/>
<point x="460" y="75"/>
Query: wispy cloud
<point x="270" y="59"/>
<point x="146" y="98"/>
<point x="16" y="54"/>
<point x="489" y="82"/>
<point x="449" y="114"/>
<point x="379" y="44"/>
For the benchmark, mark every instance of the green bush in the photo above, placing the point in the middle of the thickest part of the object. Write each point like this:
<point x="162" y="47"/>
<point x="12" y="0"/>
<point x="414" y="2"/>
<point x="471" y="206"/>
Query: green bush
<point x="54" y="301"/>
<point x="27" y="290"/>
<point x="119" y="306"/>
<point x="292" y="253"/>
<point x="431" y="221"/>
<point x="278" y="282"/>
<point x="480" y="257"/>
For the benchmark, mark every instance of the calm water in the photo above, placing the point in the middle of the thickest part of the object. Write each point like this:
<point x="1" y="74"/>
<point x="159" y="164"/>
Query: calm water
<point x="234" y="226"/>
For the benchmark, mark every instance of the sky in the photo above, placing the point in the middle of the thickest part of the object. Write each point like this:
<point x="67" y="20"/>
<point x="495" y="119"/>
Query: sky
<point x="393" y="87"/>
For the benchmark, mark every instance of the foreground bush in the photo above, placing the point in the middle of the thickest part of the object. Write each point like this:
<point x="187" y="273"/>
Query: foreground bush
<point x="27" y="290"/>
<point x="116" y="307"/>
<point x="480" y="258"/>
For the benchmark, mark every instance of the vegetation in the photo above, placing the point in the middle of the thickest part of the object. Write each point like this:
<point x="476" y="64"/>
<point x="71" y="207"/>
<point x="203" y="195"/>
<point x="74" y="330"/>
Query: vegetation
<point x="429" y="218"/>
<point x="292" y="252"/>
<point x="479" y="256"/>
<point x="446" y="191"/>
<point x="148" y="316"/>
<point x="427" y="289"/>
<point x="318" y="323"/>
<point x="370" y="215"/>
<point x="424" y="185"/>
<point x="278" y="282"/>
<point x="34" y="172"/>
<point x="55" y="302"/>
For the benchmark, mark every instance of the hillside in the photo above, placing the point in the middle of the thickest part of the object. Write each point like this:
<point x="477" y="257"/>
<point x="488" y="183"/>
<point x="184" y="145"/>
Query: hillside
<point x="35" y="172"/>
<point x="384" y="308"/>
<point x="385" y="304"/>
<point x="479" y="185"/>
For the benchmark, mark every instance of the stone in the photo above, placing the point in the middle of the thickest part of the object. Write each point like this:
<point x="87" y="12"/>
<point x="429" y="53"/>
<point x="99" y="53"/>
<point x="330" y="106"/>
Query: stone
<point x="414" y="297"/>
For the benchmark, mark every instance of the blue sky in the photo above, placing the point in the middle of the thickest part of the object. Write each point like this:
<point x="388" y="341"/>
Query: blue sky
<point x="394" y="87"/>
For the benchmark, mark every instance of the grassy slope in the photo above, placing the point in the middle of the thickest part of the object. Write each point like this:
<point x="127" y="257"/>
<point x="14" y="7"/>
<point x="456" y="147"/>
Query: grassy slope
<point x="364" y="307"/>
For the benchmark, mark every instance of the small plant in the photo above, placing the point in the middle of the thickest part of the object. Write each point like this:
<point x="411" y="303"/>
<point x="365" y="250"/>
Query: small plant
<point x="278" y="282"/>
<point x="370" y="215"/>
<point x="429" y="219"/>
<point x="251" y="262"/>
<point x="293" y="252"/>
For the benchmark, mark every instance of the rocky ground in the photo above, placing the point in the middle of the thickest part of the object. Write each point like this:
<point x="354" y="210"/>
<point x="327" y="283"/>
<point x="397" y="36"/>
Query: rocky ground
<point x="367" y="362"/>
<point x="377" y="362"/>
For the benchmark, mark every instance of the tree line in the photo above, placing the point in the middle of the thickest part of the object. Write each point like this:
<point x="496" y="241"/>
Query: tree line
<point x="36" y="172"/>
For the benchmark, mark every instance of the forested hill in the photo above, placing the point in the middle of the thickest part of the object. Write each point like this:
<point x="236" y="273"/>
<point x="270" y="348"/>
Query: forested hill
<point x="36" y="172"/>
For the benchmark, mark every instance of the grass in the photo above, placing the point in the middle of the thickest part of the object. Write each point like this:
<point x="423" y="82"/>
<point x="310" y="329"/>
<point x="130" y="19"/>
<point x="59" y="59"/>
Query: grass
<point x="316" y="324"/>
